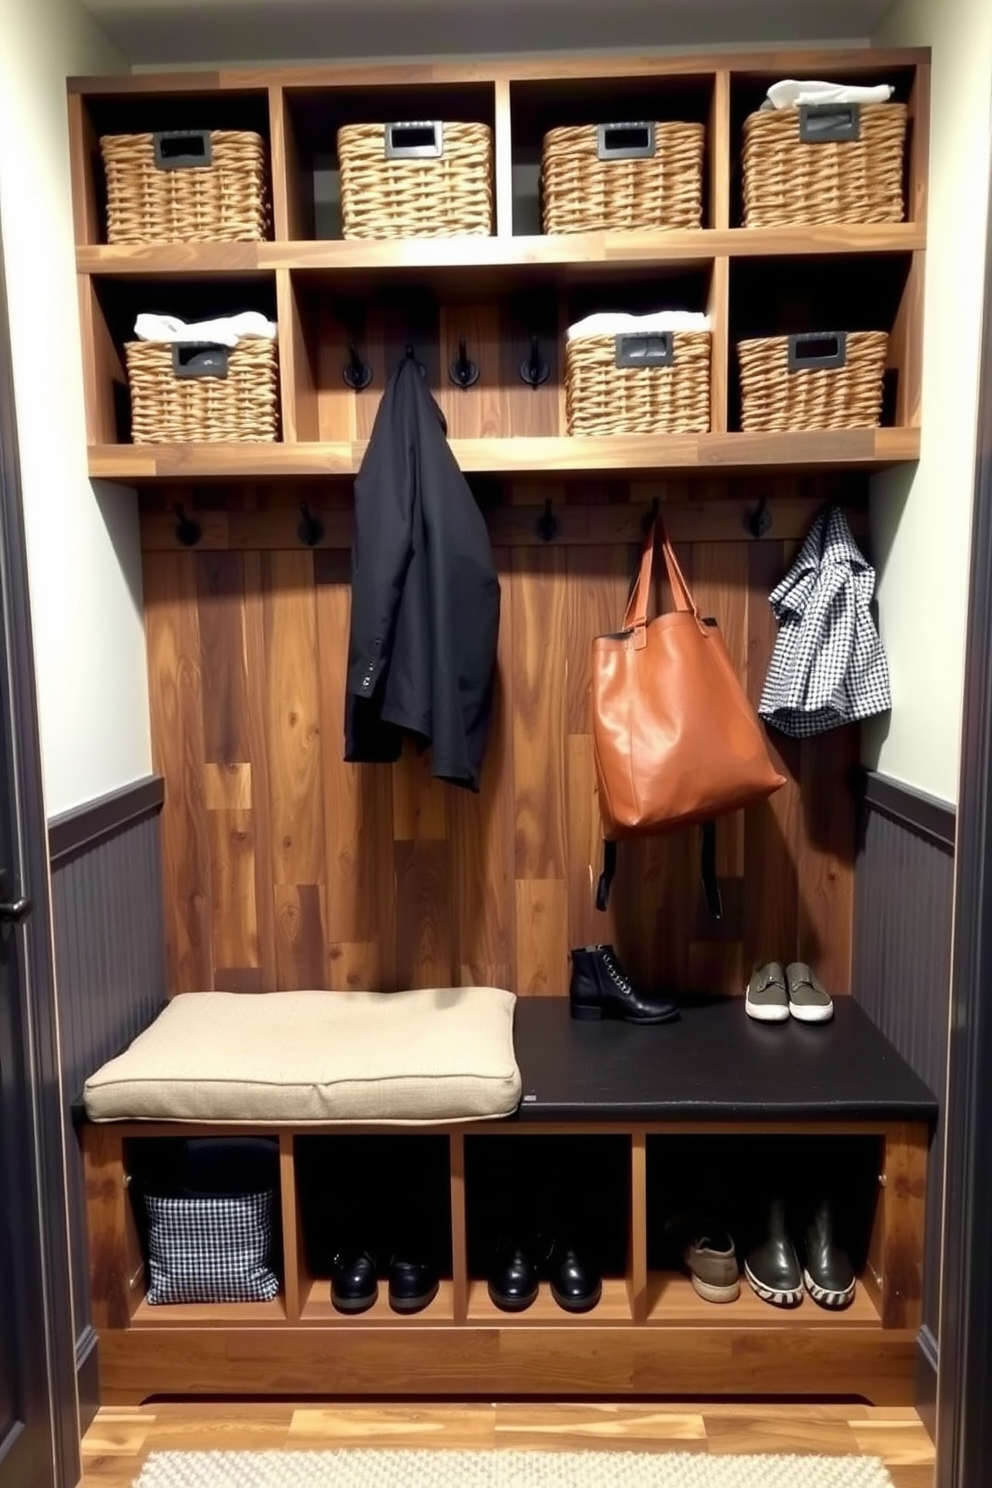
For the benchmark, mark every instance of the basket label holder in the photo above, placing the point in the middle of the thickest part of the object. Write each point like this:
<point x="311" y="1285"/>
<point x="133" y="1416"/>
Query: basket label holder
<point x="644" y="349"/>
<point x="414" y="139"/>
<point x="814" y="350"/>
<point x="183" y="149"/>
<point x="199" y="359"/>
<point x="634" y="141"/>
<point x="829" y="123"/>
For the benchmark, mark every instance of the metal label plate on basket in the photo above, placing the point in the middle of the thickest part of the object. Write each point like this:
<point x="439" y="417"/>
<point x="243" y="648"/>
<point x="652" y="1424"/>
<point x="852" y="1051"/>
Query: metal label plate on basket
<point x="183" y="149"/>
<point x="814" y="350"/>
<point x="645" y="349"/>
<point x="828" y="123"/>
<point x="625" y="141"/>
<point x="199" y="359"/>
<point x="414" y="139"/>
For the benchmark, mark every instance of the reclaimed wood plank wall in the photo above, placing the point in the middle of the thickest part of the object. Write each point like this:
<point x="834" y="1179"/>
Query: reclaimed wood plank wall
<point x="286" y="868"/>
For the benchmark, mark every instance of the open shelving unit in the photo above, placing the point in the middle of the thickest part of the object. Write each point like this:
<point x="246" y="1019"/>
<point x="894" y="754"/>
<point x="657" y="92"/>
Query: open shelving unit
<point x="246" y="639"/>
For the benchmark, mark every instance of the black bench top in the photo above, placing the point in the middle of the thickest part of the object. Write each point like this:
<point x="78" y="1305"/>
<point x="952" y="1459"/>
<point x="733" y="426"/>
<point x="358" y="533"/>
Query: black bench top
<point x="715" y="1064"/>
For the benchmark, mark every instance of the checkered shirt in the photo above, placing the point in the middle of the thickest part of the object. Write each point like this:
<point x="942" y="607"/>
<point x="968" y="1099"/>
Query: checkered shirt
<point x="828" y="666"/>
<point x="210" y="1249"/>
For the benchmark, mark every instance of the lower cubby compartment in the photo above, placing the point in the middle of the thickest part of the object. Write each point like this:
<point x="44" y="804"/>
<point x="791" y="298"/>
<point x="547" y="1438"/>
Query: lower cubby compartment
<point x="389" y="1195"/>
<point x="544" y="1192"/>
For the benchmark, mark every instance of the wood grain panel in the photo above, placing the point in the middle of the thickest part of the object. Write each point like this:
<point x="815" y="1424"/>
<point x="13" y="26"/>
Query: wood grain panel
<point x="292" y="717"/>
<point x="258" y="748"/>
<point x="227" y="787"/>
<point x="232" y="866"/>
<point x="300" y="939"/>
<point x="175" y="693"/>
<point x="542" y="937"/>
<point x="538" y="599"/>
<point x="220" y="591"/>
<point x="424" y="949"/>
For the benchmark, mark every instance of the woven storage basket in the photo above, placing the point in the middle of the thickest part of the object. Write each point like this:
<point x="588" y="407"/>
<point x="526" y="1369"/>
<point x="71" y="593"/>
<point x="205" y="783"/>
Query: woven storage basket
<point x="838" y="386"/>
<point x="159" y="190"/>
<point x="416" y="180"/>
<point x="167" y="406"/>
<point x="604" y="398"/>
<point x="603" y="176"/>
<point x="820" y="179"/>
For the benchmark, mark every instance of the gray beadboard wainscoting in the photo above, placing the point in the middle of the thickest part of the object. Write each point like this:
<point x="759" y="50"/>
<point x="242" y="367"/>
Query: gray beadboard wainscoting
<point x="110" y="973"/>
<point x="904" y="893"/>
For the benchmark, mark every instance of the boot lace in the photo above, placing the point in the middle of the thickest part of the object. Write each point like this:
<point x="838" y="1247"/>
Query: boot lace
<point x="616" y="975"/>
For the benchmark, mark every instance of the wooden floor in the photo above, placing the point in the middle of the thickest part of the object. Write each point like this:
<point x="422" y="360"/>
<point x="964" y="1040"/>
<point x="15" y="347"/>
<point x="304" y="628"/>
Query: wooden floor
<point x="121" y="1437"/>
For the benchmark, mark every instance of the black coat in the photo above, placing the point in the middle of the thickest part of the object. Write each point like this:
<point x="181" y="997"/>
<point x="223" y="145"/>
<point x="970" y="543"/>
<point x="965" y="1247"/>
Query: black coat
<point x="424" y="594"/>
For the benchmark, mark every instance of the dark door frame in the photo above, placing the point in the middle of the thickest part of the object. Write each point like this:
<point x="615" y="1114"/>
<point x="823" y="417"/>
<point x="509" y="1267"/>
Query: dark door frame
<point x="37" y="959"/>
<point x="964" y="1388"/>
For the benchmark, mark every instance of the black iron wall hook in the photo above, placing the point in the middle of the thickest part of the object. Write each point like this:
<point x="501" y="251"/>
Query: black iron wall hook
<point x="463" y="372"/>
<point x="758" y="521"/>
<point x="534" y="370"/>
<point x="311" y="528"/>
<point x="357" y="374"/>
<point x="651" y="516"/>
<point x="412" y="356"/>
<point x="547" y="523"/>
<point x="188" y="532"/>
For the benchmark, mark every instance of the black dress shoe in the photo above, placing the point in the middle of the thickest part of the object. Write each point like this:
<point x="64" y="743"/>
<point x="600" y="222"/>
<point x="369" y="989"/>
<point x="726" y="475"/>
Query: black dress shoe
<point x="600" y="988"/>
<point x="576" y="1284"/>
<point x="828" y="1274"/>
<point x="413" y="1284"/>
<point x="353" y="1281"/>
<point x="773" y="1267"/>
<point x="514" y="1277"/>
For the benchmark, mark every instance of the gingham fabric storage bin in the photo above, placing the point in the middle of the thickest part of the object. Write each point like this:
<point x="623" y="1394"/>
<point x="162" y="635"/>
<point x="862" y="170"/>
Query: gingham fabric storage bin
<point x="813" y="164"/>
<point x="214" y="1249"/>
<point x="185" y="186"/>
<point x="598" y="177"/>
<point x="417" y="179"/>
<point x="195" y="394"/>
<point x="818" y="380"/>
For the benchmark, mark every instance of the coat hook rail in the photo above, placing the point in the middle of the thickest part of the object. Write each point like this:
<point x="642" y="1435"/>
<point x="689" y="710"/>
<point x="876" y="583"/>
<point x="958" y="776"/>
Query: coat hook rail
<point x="311" y="528"/>
<point x="356" y="373"/>
<point x="188" y="532"/>
<point x="534" y="370"/>
<point x="463" y="372"/>
<point x="758" y="521"/>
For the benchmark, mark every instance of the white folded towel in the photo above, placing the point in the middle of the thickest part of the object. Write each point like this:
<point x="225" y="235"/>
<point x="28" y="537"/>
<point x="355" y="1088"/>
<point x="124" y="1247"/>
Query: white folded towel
<point x="789" y="92"/>
<point x="615" y="323"/>
<point x="226" y="330"/>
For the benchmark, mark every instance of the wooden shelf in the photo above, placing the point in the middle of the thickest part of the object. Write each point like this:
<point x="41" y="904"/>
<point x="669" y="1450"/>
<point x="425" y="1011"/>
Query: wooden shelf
<point x="210" y="1314"/>
<point x="674" y="1302"/>
<point x="587" y="252"/>
<point x="612" y="1310"/>
<point x="852" y="449"/>
<point x="317" y="1308"/>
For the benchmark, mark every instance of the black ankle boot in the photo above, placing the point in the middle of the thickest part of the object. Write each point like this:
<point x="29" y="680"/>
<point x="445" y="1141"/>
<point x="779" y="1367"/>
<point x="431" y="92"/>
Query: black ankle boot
<point x="828" y="1273"/>
<point x="600" y="988"/>
<point x="772" y="1268"/>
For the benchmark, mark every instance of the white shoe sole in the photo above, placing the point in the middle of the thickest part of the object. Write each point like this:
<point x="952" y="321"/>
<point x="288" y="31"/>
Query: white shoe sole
<point x="711" y="1293"/>
<point x="765" y="1013"/>
<point x="827" y="1298"/>
<point x="770" y="1294"/>
<point x="803" y="1014"/>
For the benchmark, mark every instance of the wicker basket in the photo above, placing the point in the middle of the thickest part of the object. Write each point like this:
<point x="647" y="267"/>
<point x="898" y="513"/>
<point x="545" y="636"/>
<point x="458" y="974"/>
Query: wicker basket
<point x="181" y="394"/>
<point x="657" y="383"/>
<point x="189" y="186"/>
<point x="798" y="168"/>
<point x="428" y="179"/>
<point x="818" y="381"/>
<point x="596" y="177"/>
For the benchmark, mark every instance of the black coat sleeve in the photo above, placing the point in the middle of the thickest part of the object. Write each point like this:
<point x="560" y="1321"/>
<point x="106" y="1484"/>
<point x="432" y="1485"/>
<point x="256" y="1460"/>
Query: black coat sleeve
<point x="384" y="496"/>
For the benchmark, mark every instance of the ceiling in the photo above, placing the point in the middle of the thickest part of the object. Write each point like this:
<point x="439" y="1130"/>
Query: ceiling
<point x="169" y="32"/>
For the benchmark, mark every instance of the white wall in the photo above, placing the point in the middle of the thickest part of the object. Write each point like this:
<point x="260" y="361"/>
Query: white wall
<point x="921" y="521"/>
<point x="83" y="551"/>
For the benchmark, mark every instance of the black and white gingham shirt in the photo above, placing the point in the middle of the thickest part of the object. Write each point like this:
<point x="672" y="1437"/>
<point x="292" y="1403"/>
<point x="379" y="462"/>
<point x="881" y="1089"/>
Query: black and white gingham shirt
<point x="828" y="666"/>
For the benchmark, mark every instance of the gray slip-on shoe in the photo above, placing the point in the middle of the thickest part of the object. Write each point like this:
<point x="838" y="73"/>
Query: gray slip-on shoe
<point x="809" y="1002"/>
<point x="712" y="1263"/>
<point x="767" y="997"/>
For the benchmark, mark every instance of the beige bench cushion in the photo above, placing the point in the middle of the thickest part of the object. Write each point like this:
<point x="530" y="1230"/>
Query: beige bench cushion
<point x="307" y="1057"/>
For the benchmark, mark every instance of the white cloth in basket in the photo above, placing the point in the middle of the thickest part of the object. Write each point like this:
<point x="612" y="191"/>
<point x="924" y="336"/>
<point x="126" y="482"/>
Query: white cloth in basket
<point x="226" y="330"/>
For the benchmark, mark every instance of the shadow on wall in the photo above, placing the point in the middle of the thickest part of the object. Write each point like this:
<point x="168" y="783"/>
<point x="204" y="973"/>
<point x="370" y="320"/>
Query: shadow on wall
<point x="118" y="508"/>
<point x="890" y="495"/>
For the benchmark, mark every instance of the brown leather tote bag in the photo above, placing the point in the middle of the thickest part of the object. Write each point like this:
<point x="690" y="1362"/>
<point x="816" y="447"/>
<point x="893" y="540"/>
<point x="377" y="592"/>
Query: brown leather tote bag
<point x="675" y="739"/>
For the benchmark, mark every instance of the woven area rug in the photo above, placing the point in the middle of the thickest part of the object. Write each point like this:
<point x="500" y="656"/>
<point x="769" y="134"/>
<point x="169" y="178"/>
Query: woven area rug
<point x="362" y="1468"/>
